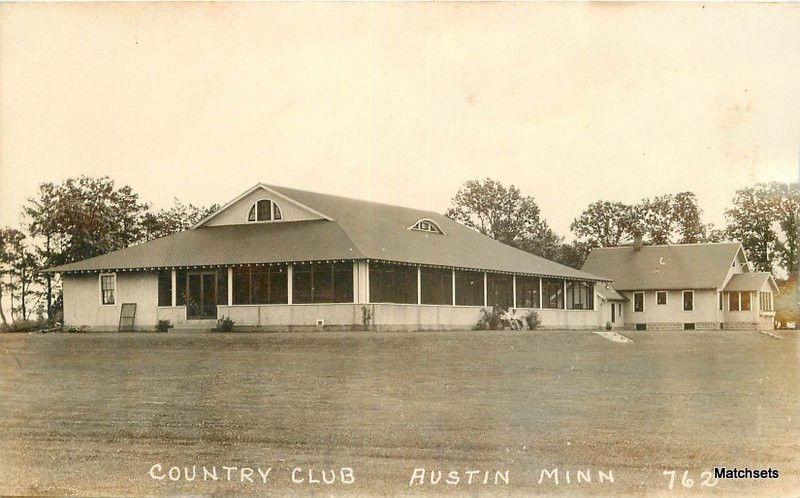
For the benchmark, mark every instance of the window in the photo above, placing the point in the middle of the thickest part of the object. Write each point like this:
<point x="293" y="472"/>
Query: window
<point x="661" y="298"/>
<point x="528" y="292"/>
<point x="552" y="293"/>
<point x="499" y="290"/>
<point x="720" y="300"/>
<point x="469" y="288"/>
<point x="257" y="285"/>
<point x="733" y="301"/>
<point x="180" y="288"/>
<point x="688" y="326"/>
<point x="437" y="286"/>
<point x="322" y="283"/>
<point x="638" y="302"/>
<point x="641" y="326"/>
<point x="765" y="300"/>
<point x="108" y="287"/>
<point x="392" y="283"/>
<point x="744" y="299"/>
<point x="264" y="210"/>
<point x="165" y="288"/>
<point x="688" y="300"/>
<point x="427" y="226"/>
<point x="580" y="295"/>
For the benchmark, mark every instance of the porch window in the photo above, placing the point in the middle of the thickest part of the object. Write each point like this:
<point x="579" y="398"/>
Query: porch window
<point x="322" y="283"/>
<point x="257" y="285"/>
<point x="469" y="288"/>
<point x="765" y="300"/>
<point x="437" y="286"/>
<point x="688" y="300"/>
<point x="733" y="301"/>
<point x="165" y="288"/>
<point x="500" y="290"/>
<point x="745" y="301"/>
<point x="638" y="302"/>
<point x="108" y="289"/>
<point x="552" y="293"/>
<point x="528" y="292"/>
<point x="392" y="283"/>
<point x="264" y="210"/>
<point x="580" y="295"/>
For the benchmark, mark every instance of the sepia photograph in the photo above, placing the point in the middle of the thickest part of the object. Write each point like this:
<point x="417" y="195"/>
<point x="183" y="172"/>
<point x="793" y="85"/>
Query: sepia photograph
<point x="399" y="248"/>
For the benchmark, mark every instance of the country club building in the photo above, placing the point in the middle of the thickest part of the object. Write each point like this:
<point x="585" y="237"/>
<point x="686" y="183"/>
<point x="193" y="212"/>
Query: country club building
<point x="685" y="287"/>
<point x="280" y="258"/>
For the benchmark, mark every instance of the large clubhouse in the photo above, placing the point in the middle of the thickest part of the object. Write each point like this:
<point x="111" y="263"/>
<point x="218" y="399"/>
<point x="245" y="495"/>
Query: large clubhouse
<point x="276" y="258"/>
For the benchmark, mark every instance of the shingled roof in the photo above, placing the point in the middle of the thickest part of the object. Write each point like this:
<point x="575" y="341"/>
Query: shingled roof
<point x="687" y="266"/>
<point x="355" y="229"/>
<point x="749" y="282"/>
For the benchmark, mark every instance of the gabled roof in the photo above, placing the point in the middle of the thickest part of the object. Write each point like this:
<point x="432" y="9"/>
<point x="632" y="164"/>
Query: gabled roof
<point x="354" y="229"/>
<point x="750" y="282"/>
<point x="608" y="293"/>
<point x="685" y="266"/>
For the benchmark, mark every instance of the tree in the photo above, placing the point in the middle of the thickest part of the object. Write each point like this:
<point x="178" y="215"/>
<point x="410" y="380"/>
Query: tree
<point x="604" y="224"/>
<point x="786" y="209"/>
<point x="751" y="220"/>
<point x="175" y="219"/>
<point x="787" y="302"/>
<point x="573" y="254"/>
<point x="9" y="238"/>
<point x="504" y="214"/>
<point x="687" y="214"/>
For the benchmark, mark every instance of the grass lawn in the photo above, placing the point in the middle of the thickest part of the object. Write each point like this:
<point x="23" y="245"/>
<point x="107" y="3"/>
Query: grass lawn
<point x="91" y="414"/>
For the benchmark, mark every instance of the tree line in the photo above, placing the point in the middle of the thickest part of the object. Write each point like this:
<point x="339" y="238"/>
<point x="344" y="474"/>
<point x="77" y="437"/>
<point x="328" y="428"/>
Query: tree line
<point x="84" y="217"/>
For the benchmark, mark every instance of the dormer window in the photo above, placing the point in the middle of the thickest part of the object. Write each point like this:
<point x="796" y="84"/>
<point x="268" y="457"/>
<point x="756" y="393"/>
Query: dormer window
<point x="264" y="210"/>
<point x="427" y="226"/>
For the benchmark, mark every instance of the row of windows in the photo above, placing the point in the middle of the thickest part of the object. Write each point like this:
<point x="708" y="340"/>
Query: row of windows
<point x="388" y="283"/>
<point x="687" y="297"/>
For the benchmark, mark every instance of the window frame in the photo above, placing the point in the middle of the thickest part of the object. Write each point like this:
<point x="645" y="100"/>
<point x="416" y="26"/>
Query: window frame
<point x="275" y="212"/>
<point x="433" y="226"/>
<point x="666" y="298"/>
<point x="100" y="288"/>
<point x="683" y="300"/>
<point x="634" y="302"/>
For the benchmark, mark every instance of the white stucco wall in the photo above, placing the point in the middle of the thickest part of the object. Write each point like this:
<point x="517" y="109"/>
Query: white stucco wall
<point x="705" y="308"/>
<point x="82" y="300"/>
<point x="236" y="214"/>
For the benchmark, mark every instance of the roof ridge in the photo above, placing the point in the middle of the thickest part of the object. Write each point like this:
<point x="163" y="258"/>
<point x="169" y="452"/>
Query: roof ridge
<point x="694" y="244"/>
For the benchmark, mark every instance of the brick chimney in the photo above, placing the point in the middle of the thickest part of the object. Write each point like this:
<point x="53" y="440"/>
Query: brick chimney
<point x="637" y="241"/>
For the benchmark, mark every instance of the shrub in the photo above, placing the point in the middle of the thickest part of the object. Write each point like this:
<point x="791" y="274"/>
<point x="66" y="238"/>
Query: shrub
<point x="225" y="324"/>
<point x="533" y="320"/>
<point x="163" y="326"/>
<point x="490" y="320"/>
<point x="608" y="325"/>
<point x="366" y="316"/>
<point x="29" y="325"/>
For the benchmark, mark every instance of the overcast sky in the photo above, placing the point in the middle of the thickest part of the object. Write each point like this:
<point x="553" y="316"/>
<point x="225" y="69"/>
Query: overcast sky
<point x="401" y="103"/>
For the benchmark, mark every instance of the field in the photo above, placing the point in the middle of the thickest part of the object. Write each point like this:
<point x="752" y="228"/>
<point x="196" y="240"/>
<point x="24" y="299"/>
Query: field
<point x="91" y="414"/>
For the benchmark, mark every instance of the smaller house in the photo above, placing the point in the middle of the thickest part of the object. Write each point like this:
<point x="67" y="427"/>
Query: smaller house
<point x="684" y="287"/>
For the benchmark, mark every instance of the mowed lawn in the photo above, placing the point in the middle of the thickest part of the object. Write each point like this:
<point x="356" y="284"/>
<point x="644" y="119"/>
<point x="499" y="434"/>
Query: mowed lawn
<point x="90" y="414"/>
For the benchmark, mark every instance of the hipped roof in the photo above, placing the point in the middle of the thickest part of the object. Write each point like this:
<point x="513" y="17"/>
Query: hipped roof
<point x="354" y="229"/>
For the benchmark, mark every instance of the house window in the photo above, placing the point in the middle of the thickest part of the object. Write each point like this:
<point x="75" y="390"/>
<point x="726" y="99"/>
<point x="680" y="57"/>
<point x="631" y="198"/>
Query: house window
<point x="720" y="300"/>
<point x="688" y="300"/>
<point x="437" y="286"/>
<point x="580" y="295"/>
<point x="393" y="283"/>
<point x="528" y="292"/>
<point x="264" y="210"/>
<point x="427" y="226"/>
<point x="322" y="283"/>
<point x="641" y="326"/>
<point x="469" y="288"/>
<point x="552" y="293"/>
<point x="765" y="300"/>
<point x="744" y="299"/>
<point x="661" y="298"/>
<point x="258" y="285"/>
<point x="108" y="288"/>
<point x="733" y="301"/>
<point x="500" y="290"/>
<point x="688" y="326"/>
<point x="638" y="302"/>
<point x="165" y="288"/>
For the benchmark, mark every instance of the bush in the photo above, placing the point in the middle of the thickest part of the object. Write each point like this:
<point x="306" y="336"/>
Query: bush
<point x="490" y="320"/>
<point x="28" y="325"/>
<point x="225" y="324"/>
<point x="366" y="316"/>
<point x="163" y="326"/>
<point x="608" y="325"/>
<point x="533" y="320"/>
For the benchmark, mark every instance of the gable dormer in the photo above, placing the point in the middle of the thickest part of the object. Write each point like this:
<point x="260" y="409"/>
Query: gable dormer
<point x="261" y="204"/>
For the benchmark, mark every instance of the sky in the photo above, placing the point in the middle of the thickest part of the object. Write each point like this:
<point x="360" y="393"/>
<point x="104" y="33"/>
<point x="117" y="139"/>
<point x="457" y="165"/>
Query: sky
<point x="401" y="103"/>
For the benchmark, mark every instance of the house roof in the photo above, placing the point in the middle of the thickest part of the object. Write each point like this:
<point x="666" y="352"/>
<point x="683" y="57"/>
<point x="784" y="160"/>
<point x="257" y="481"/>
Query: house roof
<point x="749" y="282"/>
<point x="608" y="293"/>
<point x="685" y="266"/>
<point x="354" y="229"/>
